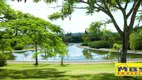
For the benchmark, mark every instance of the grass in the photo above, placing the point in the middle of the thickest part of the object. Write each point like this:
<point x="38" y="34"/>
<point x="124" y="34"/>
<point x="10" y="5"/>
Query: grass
<point x="56" y="72"/>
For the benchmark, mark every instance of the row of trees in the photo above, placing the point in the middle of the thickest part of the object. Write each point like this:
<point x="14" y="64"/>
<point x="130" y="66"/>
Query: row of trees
<point x="97" y="36"/>
<point x="97" y="32"/>
<point x="21" y="29"/>
<point x="73" y="38"/>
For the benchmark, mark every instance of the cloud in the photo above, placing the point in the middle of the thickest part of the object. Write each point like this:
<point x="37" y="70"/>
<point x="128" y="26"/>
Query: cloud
<point x="79" y="22"/>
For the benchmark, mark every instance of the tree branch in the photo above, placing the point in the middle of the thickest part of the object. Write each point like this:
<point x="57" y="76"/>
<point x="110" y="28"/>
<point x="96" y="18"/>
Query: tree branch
<point x="118" y="3"/>
<point x="113" y="20"/>
<point x="116" y="6"/>
<point x="135" y="10"/>
<point x="126" y="4"/>
<point x="73" y="7"/>
<point x="129" y="13"/>
<point x="124" y="14"/>
<point x="86" y="3"/>
<point x="101" y="8"/>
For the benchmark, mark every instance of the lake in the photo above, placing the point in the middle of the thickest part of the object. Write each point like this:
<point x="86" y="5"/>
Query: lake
<point x="75" y="53"/>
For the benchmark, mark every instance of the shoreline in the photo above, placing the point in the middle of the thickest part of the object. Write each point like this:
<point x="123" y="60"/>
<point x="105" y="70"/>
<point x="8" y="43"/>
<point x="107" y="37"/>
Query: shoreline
<point x="77" y="61"/>
<point x="73" y="62"/>
<point x="107" y="50"/>
<point x="85" y="47"/>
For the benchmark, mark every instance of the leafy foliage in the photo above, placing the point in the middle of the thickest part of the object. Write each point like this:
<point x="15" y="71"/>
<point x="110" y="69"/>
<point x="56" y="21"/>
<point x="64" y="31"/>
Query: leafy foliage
<point x="84" y="44"/>
<point x="20" y="29"/>
<point x="19" y="46"/>
<point x="117" y="46"/>
<point x="97" y="32"/>
<point x="136" y="40"/>
<point x="99" y="44"/>
<point x="40" y="33"/>
<point x="73" y="38"/>
<point x="3" y="58"/>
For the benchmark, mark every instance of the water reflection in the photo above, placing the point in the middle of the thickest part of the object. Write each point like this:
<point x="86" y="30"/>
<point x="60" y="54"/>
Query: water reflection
<point x="105" y="55"/>
<point x="87" y="54"/>
<point x="112" y="56"/>
<point x="44" y="56"/>
<point x="24" y="53"/>
<point x="75" y="53"/>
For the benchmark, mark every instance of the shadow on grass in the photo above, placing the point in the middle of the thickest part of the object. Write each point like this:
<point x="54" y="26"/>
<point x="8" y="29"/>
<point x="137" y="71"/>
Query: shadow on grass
<point x="65" y="65"/>
<point x="43" y="65"/>
<point x="52" y="73"/>
<point x="103" y="76"/>
<point x="30" y="73"/>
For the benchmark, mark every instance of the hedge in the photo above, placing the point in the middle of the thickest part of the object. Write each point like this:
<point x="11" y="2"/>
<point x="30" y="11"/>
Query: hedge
<point x="99" y="44"/>
<point x="3" y="59"/>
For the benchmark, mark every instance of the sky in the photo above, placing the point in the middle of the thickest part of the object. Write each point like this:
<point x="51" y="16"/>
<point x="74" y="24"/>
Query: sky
<point x="79" y="19"/>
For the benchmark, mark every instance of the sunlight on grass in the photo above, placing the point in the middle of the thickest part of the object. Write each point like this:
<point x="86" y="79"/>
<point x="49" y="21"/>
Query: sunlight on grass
<point x="58" y="72"/>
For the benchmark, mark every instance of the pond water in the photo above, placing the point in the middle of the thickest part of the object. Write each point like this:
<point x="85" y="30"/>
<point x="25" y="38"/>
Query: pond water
<point x="75" y="53"/>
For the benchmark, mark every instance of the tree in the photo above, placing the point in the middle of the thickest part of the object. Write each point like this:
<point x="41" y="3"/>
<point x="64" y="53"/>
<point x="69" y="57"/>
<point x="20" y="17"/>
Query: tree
<point x="27" y="29"/>
<point x="39" y="33"/>
<point x="6" y="13"/>
<point x="95" y="31"/>
<point x="107" y="6"/>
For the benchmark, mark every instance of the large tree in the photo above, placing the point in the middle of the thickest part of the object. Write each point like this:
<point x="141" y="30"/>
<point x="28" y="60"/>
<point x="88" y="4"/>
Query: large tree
<point x="37" y="32"/>
<point x="28" y="29"/>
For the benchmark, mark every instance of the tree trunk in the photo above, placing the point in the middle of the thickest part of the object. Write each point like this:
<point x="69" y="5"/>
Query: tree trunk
<point x="36" y="62"/>
<point x="3" y="50"/>
<point x="62" y="60"/>
<point x="125" y="40"/>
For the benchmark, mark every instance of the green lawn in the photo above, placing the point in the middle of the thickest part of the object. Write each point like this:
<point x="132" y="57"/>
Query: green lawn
<point x="56" y="72"/>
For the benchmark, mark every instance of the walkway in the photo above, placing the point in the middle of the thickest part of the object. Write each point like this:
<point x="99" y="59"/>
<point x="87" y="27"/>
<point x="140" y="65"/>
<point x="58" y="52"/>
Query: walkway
<point x="73" y="62"/>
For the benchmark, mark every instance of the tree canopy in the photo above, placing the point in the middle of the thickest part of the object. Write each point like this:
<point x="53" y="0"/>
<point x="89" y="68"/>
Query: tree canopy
<point x="22" y="28"/>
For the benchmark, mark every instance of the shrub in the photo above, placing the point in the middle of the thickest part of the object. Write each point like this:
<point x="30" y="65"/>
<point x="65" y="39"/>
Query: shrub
<point x="117" y="46"/>
<point x="113" y="42"/>
<point x="84" y="44"/>
<point x="140" y="46"/>
<point x="3" y="58"/>
<point x="136" y="41"/>
<point x="19" y="46"/>
<point x="117" y="42"/>
<point x="99" y="44"/>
